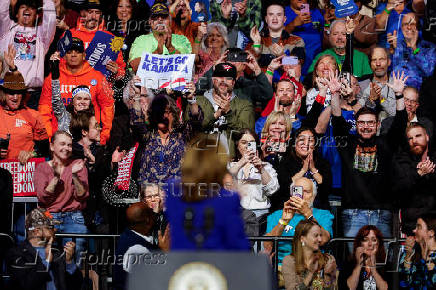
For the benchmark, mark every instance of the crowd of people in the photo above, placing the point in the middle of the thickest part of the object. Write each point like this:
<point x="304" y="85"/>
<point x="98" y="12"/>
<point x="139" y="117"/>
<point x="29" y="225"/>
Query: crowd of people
<point x="289" y="107"/>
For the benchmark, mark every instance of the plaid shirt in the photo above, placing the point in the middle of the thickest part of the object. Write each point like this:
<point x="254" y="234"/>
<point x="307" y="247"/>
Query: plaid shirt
<point x="251" y="17"/>
<point x="416" y="66"/>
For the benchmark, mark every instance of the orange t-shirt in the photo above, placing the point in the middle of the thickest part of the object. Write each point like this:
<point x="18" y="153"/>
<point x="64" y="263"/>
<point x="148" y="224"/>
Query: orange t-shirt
<point x="24" y="126"/>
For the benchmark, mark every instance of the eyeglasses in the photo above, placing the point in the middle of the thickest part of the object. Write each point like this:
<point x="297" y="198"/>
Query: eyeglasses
<point x="410" y="101"/>
<point x="148" y="197"/>
<point x="371" y="123"/>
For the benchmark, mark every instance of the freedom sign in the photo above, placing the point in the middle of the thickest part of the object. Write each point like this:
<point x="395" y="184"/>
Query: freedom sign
<point x="159" y="71"/>
<point x="103" y="48"/>
<point x="22" y="175"/>
<point x="345" y="8"/>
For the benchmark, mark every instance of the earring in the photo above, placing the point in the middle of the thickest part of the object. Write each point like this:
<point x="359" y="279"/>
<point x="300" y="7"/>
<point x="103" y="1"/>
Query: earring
<point x="302" y="243"/>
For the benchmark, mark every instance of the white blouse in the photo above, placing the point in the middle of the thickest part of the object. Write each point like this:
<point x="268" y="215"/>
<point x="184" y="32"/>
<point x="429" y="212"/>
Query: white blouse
<point x="254" y="195"/>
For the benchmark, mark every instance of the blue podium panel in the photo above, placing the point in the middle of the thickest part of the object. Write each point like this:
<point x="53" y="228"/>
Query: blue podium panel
<point x="203" y="270"/>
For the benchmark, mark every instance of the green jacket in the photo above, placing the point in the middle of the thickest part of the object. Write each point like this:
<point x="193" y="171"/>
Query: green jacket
<point x="240" y="116"/>
<point x="257" y="89"/>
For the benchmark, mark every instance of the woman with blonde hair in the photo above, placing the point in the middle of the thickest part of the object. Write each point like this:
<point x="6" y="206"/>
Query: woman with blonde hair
<point x="307" y="267"/>
<point x="202" y="214"/>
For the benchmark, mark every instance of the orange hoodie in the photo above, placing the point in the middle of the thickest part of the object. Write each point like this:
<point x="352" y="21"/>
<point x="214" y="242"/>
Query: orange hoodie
<point x="86" y="36"/>
<point x="101" y="97"/>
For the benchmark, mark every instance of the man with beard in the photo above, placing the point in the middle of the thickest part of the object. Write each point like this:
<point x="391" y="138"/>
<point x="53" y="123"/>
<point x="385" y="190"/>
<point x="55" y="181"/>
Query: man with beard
<point x="411" y="100"/>
<point x="86" y="29"/>
<point x="34" y="264"/>
<point x="366" y="162"/>
<point x="378" y="94"/>
<point x="415" y="177"/>
<point x="338" y="40"/>
<point x="161" y="40"/>
<point x="223" y="110"/>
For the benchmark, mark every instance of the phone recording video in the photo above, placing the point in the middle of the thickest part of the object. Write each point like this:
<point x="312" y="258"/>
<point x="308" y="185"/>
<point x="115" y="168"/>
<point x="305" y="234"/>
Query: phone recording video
<point x="305" y="8"/>
<point x="237" y="56"/>
<point x="251" y="146"/>
<point x="289" y="60"/>
<point x="297" y="191"/>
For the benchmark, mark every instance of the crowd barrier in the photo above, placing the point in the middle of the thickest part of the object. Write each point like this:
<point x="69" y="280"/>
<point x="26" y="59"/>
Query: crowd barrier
<point x="101" y="248"/>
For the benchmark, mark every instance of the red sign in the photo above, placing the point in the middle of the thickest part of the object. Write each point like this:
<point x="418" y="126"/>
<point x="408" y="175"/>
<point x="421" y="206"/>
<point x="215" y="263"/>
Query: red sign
<point x="22" y="175"/>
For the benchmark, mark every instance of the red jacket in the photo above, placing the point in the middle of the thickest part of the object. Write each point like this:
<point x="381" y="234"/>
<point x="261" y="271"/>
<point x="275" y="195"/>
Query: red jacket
<point x="101" y="97"/>
<point x="86" y="36"/>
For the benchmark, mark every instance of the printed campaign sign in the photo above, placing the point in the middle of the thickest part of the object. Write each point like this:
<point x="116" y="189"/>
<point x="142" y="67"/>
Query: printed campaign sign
<point x="22" y="175"/>
<point x="64" y="43"/>
<point x="159" y="71"/>
<point x="103" y="48"/>
<point x="345" y="8"/>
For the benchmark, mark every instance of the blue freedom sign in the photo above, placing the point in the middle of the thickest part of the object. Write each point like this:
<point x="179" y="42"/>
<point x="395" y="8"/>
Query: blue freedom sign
<point x="345" y="8"/>
<point x="103" y="48"/>
<point x="64" y="43"/>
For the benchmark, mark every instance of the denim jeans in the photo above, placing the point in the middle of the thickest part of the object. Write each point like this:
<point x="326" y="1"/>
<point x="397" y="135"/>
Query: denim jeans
<point x="72" y="222"/>
<point x="354" y="219"/>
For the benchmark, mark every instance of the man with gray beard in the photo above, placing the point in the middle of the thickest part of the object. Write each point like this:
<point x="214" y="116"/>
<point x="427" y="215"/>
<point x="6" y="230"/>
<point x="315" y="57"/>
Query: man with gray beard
<point x="415" y="177"/>
<point x="378" y="94"/>
<point x="224" y="112"/>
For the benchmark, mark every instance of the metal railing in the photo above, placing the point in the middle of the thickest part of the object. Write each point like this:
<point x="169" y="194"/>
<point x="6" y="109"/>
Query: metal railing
<point x="331" y="246"/>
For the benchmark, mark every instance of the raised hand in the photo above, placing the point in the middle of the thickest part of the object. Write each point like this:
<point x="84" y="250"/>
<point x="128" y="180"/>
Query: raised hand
<point x="201" y="31"/>
<point x="222" y="58"/>
<point x="164" y="240"/>
<point x="253" y="64"/>
<point x="118" y="155"/>
<point x="346" y="89"/>
<point x="288" y="212"/>
<point x="312" y="167"/>
<point x="69" y="252"/>
<point x="24" y="156"/>
<point x="56" y="168"/>
<point x="333" y="82"/>
<point x="301" y="206"/>
<point x="77" y="165"/>
<point x="9" y="56"/>
<point x="277" y="49"/>
<point x="409" y="245"/>
<point x="392" y="39"/>
<point x="350" y="25"/>
<point x="359" y="256"/>
<point x="88" y="154"/>
<point x="399" y="82"/>
<point x="226" y="8"/>
<point x="314" y="264"/>
<point x="375" y="91"/>
<point x="190" y="87"/>
<point x="295" y="106"/>
<point x="275" y="64"/>
<point x="255" y="35"/>
<point x="425" y="167"/>
<point x="241" y="8"/>
<point x="48" y="250"/>
<point x="322" y="84"/>
<point x="112" y="66"/>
